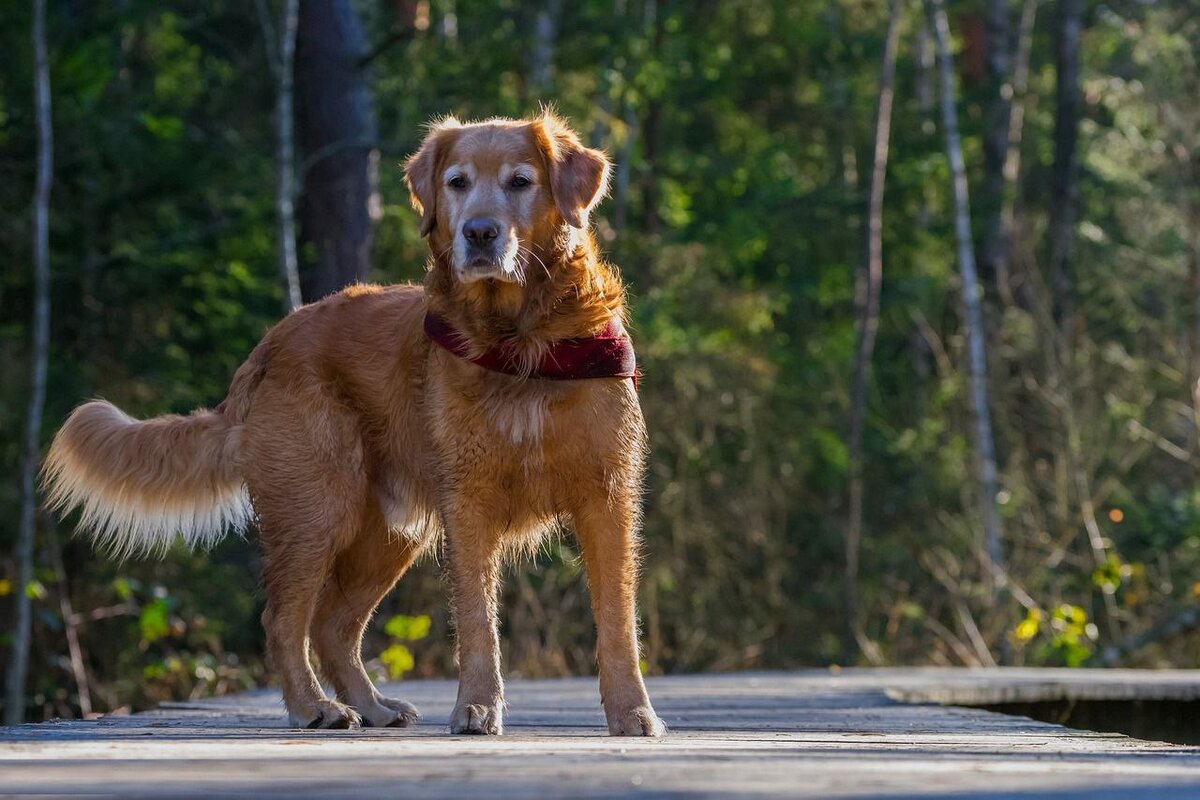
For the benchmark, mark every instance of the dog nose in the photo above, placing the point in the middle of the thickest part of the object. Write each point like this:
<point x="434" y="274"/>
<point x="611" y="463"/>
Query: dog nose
<point x="480" y="231"/>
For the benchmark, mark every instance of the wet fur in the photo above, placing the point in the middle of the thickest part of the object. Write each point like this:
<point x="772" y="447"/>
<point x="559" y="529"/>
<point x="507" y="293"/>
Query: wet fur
<point x="359" y="444"/>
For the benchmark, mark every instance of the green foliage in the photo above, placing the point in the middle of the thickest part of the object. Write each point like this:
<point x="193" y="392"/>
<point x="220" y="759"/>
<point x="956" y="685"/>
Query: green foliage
<point x="1072" y="635"/>
<point x="743" y="132"/>
<point x="1066" y="638"/>
<point x="152" y="621"/>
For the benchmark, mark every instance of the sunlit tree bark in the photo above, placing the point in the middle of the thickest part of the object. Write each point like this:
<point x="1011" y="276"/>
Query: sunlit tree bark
<point x="281" y="53"/>
<point x="650" y="126"/>
<point x="995" y="135"/>
<point x="545" y="37"/>
<point x="985" y="449"/>
<point x="1012" y="160"/>
<point x="866" y="303"/>
<point x="1064" y="207"/>
<point x="14" y="705"/>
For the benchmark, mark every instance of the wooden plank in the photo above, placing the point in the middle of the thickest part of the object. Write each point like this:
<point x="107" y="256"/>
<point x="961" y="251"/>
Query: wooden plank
<point x="1018" y="685"/>
<point x="802" y="734"/>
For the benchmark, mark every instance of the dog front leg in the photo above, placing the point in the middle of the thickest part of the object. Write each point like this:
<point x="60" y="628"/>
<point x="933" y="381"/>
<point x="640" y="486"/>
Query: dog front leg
<point x="473" y="556"/>
<point x="607" y="536"/>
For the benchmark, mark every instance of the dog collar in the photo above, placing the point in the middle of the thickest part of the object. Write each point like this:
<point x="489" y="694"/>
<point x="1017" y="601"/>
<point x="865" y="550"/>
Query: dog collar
<point x="608" y="354"/>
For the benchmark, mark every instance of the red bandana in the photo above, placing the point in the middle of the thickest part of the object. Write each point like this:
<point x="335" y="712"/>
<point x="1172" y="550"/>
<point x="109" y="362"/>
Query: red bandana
<point x="608" y="354"/>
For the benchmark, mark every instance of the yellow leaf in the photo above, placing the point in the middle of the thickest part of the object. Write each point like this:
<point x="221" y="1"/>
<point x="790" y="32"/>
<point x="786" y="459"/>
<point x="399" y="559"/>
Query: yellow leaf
<point x="1026" y="630"/>
<point x="398" y="660"/>
<point x="402" y="626"/>
<point x="5" y="587"/>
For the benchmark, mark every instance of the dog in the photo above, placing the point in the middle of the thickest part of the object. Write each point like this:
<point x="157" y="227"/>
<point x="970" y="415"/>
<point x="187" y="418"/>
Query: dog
<point x="369" y="426"/>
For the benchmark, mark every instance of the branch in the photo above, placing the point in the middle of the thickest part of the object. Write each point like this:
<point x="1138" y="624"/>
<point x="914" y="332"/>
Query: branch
<point x="332" y="149"/>
<point x="264" y="18"/>
<point x="392" y="39"/>
<point x="1178" y="623"/>
<point x="119" y="610"/>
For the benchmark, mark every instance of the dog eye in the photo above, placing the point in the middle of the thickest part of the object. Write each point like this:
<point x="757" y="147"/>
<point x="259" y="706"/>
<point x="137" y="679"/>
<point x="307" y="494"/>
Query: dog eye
<point x="457" y="182"/>
<point x="519" y="182"/>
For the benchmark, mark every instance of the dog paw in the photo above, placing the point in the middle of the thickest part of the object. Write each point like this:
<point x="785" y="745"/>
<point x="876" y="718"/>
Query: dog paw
<point x="477" y="718"/>
<point x="390" y="713"/>
<point x="639" y="721"/>
<point x="329" y="715"/>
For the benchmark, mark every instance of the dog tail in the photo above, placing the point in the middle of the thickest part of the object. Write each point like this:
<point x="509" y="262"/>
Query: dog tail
<point x="144" y="484"/>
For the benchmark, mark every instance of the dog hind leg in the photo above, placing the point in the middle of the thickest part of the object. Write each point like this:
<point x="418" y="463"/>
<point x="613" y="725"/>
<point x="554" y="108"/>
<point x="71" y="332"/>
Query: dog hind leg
<point x="363" y="574"/>
<point x="303" y="461"/>
<point x="292" y="585"/>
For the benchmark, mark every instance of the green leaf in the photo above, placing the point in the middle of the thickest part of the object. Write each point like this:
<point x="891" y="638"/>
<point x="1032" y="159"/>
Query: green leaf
<point x="123" y="588"/>
<point x="167" y="128"/>
<point x="1107" y="577"/>
<point x="152" y="622"/>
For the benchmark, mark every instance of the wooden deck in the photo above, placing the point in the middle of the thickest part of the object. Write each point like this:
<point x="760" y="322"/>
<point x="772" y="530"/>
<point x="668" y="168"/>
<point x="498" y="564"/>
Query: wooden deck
<point x="860" y="733"/>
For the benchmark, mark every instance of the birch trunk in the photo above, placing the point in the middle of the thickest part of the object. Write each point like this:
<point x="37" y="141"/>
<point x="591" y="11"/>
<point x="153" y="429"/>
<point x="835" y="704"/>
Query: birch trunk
<point x="1065" y="180"/>
<point x="995" y="137"/>
<point x="14" y="705"/>
<point x="649" y="128"/>
<point x="866" y="301"/>
<point x="1012" y="160"/>
<point x="282" y="56"/>
<point x="985" y="450"/>
<point x="545" y="36"/>
<point x="1193" y="167"/>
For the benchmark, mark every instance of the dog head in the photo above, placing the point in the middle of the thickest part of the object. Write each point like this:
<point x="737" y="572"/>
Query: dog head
<point x="494" y="195"/>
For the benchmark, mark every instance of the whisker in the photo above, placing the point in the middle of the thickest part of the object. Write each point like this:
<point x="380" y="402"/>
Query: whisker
<point x="531" y="254"/>
<point x="522" y="265"/>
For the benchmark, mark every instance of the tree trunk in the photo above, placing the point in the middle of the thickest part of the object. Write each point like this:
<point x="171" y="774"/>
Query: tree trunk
<point x="545" y="34"/>
<point x="14" y="706"/>
<point x="985" y="449"/>
<point x="995" y="137"/>
<point x="922" y="354"/>
<point x="924" y="58"/>
<point x="1064" y="207"/>
<point x="1192" y="165"/>
<point x="624" y="168"/>
<point x="649" y="133"/>
<point x="282" y="56"/>
<point x="1012" y="160"/>
<point x="866" y="302"/>
<point x="448" y="29"/>
<point x="336" y="124"/>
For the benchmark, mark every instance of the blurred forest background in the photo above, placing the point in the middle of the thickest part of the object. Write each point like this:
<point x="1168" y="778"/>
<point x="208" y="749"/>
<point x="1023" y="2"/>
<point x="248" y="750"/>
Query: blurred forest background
<point x="888" y="427"/>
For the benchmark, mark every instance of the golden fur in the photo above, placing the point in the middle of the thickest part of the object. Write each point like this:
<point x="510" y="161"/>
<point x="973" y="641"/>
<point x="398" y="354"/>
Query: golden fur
<point x="357" y="442"/>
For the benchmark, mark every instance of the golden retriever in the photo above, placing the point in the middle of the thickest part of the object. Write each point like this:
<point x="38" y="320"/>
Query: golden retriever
<point x="355" y="442"/>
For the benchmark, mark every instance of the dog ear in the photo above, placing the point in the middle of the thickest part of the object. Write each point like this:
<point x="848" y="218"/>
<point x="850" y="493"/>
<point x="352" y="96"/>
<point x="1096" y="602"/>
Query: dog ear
<point x="422" y="168"/>
<point x="578" y="174"/>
